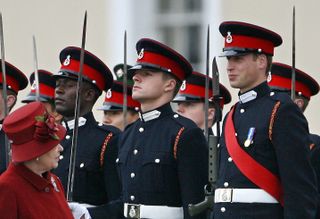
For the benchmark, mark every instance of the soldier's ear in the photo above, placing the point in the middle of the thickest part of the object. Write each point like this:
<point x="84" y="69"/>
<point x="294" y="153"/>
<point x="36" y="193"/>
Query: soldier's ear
<point x="300" y="103"/>
<point x="11" y="101"/>
<point x="89" y="94"/>
<point x="262" y="61"/>
<point x="170" y="85"/>
<point x="211" y="114"/>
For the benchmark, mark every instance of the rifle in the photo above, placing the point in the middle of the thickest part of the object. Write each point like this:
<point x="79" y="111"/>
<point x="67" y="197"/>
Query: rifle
<point x="293" y="74"/>
<point x="73" y="151"/>
<point x="213" y="140"/>
<point x="4" y="92"/>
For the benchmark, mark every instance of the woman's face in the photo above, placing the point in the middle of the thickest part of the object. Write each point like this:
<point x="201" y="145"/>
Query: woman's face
<point x="49" y="160"/>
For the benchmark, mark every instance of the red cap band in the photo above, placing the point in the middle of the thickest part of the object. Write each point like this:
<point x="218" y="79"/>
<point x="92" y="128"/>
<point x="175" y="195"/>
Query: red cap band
<point x="44" y="90"/>
<point x="89" y="72"/>
<point x="12" y="82"/>
<point x="162" y="61"/>
<point x="117" y="97"/>
<point x="278" y="81"/>
<point x="249" y="42"/>
<point x="195" y="90"/>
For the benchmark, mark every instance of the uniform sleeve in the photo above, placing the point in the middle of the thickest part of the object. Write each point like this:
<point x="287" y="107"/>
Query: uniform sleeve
<point x="8" y="203"/>
<point x="112" y="181"/>
<point x="114" y="208"/>
<point x="192" y="158"/>
<point x="290" y="137"/>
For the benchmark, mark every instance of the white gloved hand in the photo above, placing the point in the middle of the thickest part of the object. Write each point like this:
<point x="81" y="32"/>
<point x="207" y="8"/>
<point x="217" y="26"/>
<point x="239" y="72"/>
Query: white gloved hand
<point x="79" y="211"/>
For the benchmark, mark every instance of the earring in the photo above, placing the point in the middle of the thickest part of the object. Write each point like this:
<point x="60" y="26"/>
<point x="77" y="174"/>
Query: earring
<point x="37" y="159"/>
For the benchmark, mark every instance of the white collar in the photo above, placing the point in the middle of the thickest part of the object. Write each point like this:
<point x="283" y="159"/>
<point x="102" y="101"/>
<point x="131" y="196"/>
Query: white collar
<point x="154" y="114"/>
<point x="248" y="96"/>
<point x="0" y="127"/>
<point x="70" y="124"/>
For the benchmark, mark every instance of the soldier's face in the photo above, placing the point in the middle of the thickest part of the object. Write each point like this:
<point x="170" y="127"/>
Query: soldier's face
<point x="246" y="72"/>
<point x="149" y="86"/>
<point x="193" y="111"/>
<point x="65" y="95"/>
<point x="114" y="118"/>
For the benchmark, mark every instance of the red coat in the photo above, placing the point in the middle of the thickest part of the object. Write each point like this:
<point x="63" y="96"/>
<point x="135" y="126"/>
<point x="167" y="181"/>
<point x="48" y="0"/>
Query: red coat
<point x="24" y="194"/>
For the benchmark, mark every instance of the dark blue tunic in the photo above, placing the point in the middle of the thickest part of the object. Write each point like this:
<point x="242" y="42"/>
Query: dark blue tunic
<point x="155" y="172"/>
<point x="286" y="156"/>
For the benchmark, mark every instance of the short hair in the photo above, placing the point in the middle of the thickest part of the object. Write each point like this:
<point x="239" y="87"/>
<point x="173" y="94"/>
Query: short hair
<point x="167" y="76"/>
<point x="269" y="61"/>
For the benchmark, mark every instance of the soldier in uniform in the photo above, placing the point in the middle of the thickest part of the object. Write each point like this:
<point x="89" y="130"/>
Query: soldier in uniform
<point x="264" y="170"/>
<point x="96" y="180"/>
<point x="16" y="81"/>
<point x="191" y="98"/>
<point x="46" y="92"/>
<point x="305" y="87"/>
<point x="113" y="103"/>
<point x="162" y="156"/>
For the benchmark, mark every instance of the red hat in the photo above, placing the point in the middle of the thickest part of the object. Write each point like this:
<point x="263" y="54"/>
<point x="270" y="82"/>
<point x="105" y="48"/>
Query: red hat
<point x="243" y="38"/>
<point x="114" y="98"/>
<point x="32" y="132"/>
<point x="47" y="85"/>
<point x="281" y="76"/>
<point x="94" y="70"/>
<point x="155" y="55"/>
<point x="193" y="90"/>
<point x="15" y="79"/>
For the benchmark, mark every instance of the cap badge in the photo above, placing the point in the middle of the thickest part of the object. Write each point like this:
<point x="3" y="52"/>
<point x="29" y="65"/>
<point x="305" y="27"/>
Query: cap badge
<point x="119" y="73"/>
<point x="34" y="85"/>
<point x="229" y="38"/>
<point x="109" y="94"/>
<point x="183" y="85"/>
<point x="141" y="54"/>
<point x="67" y="60"/>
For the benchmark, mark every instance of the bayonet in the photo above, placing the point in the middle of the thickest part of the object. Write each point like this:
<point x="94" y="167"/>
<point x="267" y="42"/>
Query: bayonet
<point x="125" y="82"/>
<point x="36" y="73"/>
<point x="293" y="79"/>
<point x="76" y="116"/>
<point x="4" y="92"/>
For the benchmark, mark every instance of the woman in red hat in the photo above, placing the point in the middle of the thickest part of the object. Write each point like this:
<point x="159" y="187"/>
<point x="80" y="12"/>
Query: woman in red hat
<point x="28" y="189"/>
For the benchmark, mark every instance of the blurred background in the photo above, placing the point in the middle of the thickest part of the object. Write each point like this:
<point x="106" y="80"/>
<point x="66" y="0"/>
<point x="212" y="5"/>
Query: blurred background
<point x="181" y="24"/>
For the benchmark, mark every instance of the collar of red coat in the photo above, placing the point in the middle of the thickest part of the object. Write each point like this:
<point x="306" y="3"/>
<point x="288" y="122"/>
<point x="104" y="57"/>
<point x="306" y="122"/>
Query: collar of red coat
<point x="40" y="183"/>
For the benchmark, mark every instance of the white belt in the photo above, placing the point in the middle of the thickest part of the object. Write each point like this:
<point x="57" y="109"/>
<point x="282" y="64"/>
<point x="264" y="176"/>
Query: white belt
<point x="152" y="211"/>
<point x="243" y="196"/>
